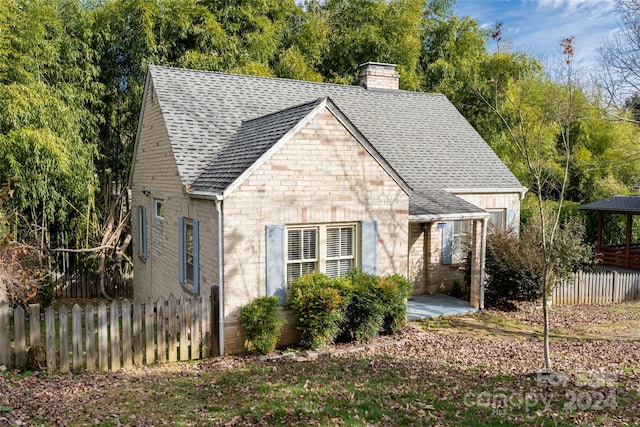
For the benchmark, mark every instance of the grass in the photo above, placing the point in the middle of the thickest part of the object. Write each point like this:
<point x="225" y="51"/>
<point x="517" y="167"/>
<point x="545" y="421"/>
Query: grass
<point x="471" y="370"/>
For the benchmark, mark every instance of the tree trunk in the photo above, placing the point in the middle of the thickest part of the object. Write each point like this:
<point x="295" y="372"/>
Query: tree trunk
<point x="545" y="315"/>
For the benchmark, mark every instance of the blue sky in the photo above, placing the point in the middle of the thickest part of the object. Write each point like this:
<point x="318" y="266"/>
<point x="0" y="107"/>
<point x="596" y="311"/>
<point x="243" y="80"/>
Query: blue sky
<point x="538" y="26"/>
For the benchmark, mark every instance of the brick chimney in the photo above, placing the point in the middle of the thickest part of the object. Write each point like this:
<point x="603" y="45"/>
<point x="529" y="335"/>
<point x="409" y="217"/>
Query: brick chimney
<point x="376" y="75"/>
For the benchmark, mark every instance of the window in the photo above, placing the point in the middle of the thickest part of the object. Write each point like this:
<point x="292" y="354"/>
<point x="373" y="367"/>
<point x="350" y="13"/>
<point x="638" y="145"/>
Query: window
<point x="461" y="240"/>
<point x="329" y="249"/>
<point x="189" y="253"/>
<point x="302" y="253"/>
<point x="159" y="209"/>
<point x="141" y="231"/>
<point x="333" y="249"/>
<point x="340" y="251"/>
<point x="497" y="221"/>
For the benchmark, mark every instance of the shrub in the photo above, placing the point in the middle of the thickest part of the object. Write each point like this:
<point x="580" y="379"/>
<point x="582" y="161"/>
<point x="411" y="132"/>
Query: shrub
<point x="395" y="291"/>
<point x="318" y="304"/>
<point x="366" y="309"/>
<point x="261" y="323"/>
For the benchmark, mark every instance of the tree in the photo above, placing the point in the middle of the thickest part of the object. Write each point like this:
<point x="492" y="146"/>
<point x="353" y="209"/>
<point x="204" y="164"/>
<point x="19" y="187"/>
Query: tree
<point x="538" y="116"/>
<point x="620" y="54"/>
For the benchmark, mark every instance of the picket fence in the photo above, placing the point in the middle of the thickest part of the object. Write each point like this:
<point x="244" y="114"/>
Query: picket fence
<point x="600" y="287"/>
<point x="115" y="336"/>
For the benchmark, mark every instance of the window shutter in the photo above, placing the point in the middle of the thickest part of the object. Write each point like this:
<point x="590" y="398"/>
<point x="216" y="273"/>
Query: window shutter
<point x="512" y="218"/>
<point x="447" y="243"/>
<point x="181" y="250"/>
<point x="196" y="256"/>
<point x="275" y="252"/>
<point x="369" y="247"/>
<point x="145" y="233"/>
<point x="138" y="231"/>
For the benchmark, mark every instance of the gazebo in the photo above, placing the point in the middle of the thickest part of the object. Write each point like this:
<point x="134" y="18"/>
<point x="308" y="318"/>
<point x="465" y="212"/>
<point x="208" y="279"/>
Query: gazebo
<point x="617" y="213"/>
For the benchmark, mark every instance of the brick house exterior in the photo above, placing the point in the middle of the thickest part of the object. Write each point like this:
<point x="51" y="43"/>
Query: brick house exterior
<point x="247" y="182"/>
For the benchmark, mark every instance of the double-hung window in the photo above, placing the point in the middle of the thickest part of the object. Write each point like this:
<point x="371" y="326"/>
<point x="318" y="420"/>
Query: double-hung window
<point x="328" y="248"/>
<point x="302" y="252"/>
<point x="332" y="249"/>
<point x="498" y="220"/>
<point x="340" y="250"/>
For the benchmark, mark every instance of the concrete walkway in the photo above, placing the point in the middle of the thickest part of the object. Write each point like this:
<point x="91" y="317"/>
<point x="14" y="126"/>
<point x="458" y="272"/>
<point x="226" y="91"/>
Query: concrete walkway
<point x="434" y="305"/>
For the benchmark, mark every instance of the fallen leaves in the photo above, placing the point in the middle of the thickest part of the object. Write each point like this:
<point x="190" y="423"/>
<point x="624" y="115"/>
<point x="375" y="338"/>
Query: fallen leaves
<point x="424" y="381"/>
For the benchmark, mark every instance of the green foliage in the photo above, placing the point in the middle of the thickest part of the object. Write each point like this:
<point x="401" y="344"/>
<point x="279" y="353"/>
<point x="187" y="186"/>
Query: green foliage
<point x="396" y="289"/>
<point x="515" y="264"/>
<point x="358" y="306"/>
<point x="366" y="310"/>
<point x="261" y="322"/>
<point x="318" y="307"/>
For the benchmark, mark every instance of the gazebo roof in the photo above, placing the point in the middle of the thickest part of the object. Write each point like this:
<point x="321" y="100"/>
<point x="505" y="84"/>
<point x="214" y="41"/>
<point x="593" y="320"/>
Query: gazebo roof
<point x="616" y="204"/>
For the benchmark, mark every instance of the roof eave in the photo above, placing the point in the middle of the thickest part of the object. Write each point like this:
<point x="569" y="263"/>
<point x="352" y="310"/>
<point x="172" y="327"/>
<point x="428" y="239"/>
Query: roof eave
<point x="448" y="217"/>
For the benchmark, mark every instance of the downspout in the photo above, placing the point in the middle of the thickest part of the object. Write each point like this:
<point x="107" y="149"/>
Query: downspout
<point x="220" y="275"/>
<point x="483" y="257"/>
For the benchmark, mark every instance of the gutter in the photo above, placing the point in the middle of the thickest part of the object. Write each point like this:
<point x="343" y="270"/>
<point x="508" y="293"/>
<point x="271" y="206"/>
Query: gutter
<point x="220" y="274"/>
<point x="449" y="217"/>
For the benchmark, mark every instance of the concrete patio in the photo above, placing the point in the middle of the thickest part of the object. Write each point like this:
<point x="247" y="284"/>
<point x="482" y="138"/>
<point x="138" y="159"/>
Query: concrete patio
<point x="435" y="305"/>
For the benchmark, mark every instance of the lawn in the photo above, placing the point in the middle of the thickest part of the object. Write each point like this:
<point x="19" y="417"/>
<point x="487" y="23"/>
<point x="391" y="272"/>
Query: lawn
<point x="472" y="370"/>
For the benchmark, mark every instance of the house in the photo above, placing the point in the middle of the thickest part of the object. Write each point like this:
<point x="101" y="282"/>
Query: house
<point x="248" y="182"/>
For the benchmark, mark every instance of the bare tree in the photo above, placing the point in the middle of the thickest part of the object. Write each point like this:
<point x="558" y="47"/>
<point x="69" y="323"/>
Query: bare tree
<point x="537" y="115"/>
<point x="620" y="55"/>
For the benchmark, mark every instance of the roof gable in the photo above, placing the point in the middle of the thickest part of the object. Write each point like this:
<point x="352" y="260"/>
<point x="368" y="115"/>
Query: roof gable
<point x="258" y="139"/>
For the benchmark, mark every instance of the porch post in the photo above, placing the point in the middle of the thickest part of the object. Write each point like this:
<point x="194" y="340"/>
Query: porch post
<point x="628" y="242"/>
<point x="478" y="246"/>
<point x="599" y="243"/>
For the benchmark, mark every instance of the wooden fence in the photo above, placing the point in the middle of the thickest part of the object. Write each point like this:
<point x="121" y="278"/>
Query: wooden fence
<point x="598" y="288"/>
<point x="114" y="336"/>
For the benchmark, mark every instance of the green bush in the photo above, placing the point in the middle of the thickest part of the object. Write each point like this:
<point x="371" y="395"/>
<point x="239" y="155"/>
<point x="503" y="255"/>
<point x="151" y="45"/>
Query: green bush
<point x="395" y="292"/>
<point x="366" y="310"/>
<point x="261" y="323"/>
<point x="318" y="304"/>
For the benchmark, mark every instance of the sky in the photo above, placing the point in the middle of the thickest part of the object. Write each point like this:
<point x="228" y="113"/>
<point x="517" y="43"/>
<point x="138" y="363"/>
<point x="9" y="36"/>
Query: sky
<point x="538" y="26"/>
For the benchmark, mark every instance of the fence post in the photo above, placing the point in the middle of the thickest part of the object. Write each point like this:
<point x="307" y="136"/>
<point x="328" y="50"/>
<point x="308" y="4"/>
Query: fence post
<point x="34" y="325"/>
<point x="614" y="286"/>
<point x="63" y="315"/>
<point x="50" y="328"/>
<point x="20" y="337"/>
<point x="215" y="322"/>
<point x="5" y="348"/>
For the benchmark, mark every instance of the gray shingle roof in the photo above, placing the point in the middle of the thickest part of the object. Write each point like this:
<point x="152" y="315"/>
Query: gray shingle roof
<point x="440" y="202"/>
<point x="619" y="203"/>
<point x="247" y="145"/>
<point x="422" y="136"/>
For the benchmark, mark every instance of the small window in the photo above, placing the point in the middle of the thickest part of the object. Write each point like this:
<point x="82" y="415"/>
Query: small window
<point x="159" y="209"/>
<point x="497" y="221"/>
<point x="189" y="253"/>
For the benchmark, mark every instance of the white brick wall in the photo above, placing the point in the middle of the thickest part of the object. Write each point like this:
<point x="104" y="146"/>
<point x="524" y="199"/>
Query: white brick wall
<point x="321" y="175"/>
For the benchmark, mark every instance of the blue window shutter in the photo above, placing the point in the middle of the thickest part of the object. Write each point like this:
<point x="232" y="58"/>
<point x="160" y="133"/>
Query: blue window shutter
<point x="181" y="250"/>
<point x="196" y="256"/>
<point x="512" y="219"/>
<point x="447" y="243"/>
<point x="145" y="233"/>
<point x="138" y="231"/>
<point x="369" y="247"/>
<point x="275" y="254"/>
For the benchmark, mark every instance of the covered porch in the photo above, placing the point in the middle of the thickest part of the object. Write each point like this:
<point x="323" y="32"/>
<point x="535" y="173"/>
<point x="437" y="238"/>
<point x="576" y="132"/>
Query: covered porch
<point x="442" y="227"/>
<point x="618" y="235"/>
